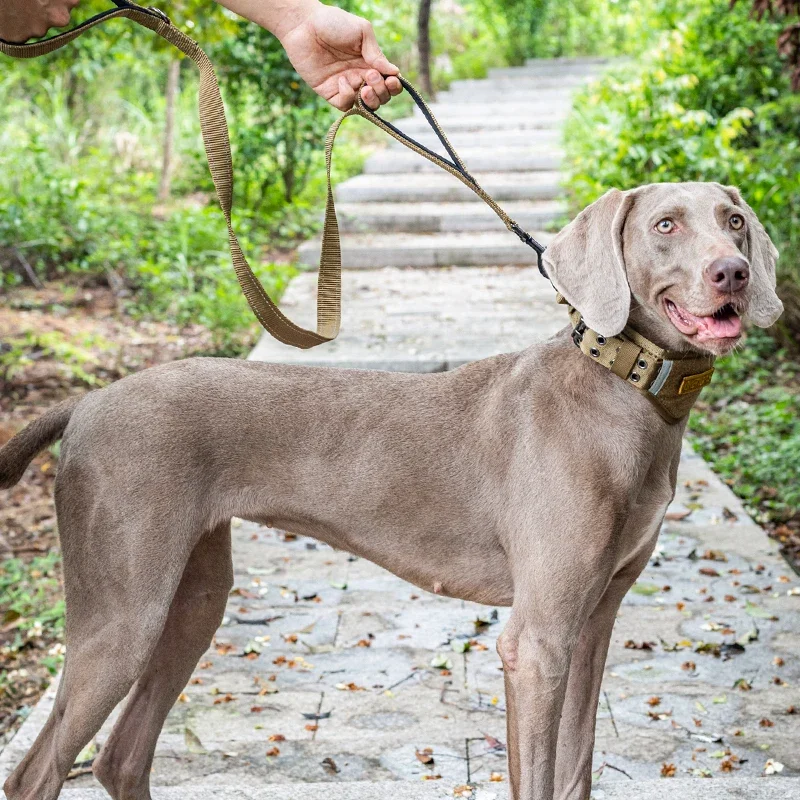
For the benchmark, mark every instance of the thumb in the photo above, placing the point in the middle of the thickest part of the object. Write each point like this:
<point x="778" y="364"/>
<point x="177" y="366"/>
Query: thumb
<point x="373" y="54"/>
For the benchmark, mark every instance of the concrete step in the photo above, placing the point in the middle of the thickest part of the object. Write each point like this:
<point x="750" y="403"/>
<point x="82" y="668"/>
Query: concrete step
<point x="466" y="249"/>
<point x="444" y="217"/>
<point x="490" y="139"/>
<point x="472" y="120"/>
<point x="530" y="106"/>
<point x="569" y="61"/>
<point x="521" y="83"/>
<point x="720" y="789"/>
<point x="546" y="71"/>
<point x="497" y="93"/>
<point x="477" y="159"/>
<point x="441" y="187"/>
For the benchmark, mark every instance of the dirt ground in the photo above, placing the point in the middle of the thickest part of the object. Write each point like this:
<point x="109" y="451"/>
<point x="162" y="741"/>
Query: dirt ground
<point x="38" y="367"/>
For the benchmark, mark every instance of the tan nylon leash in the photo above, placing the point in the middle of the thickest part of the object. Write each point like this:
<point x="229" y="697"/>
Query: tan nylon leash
<point x="218" y="151"/>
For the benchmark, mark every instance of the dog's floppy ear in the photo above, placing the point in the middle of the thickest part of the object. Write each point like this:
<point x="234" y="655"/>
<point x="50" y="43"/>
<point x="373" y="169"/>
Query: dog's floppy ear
<point x="585" y="263"/>
<point x="765" y="306"/>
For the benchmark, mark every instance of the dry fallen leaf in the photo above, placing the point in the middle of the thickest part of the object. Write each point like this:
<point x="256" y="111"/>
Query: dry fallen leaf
<point x="277" y="737"/>
<point x="709" y="572"/>
<point x="654" y="701"/>
<point x="668" y="770"/>
<point x="425" y="756"/>
<point x="273" y="751"/>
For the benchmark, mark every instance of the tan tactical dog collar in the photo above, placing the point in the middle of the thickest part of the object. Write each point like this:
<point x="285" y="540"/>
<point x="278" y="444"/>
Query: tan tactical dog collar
<point x="670" y="380"/>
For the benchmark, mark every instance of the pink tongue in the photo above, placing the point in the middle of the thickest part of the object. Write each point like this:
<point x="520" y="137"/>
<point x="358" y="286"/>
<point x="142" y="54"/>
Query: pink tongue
<point x="713" y="328"/>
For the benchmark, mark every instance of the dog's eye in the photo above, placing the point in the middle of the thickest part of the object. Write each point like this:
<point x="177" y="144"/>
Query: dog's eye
<point x="736" y="222"/>
<point x="665" y="226"/>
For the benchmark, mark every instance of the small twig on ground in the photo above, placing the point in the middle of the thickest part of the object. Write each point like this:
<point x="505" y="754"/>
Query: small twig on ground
<point x="25" y="264"/>
<point x="611" y="713"/>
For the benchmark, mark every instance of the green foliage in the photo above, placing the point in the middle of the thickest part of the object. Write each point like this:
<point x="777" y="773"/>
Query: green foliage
<point x="278" y="121"/>
<point x="30" y="604"/>
<point x="80" y="157"/>
<point x="523" y="19"/>
<point x="73" y="355"/>
<point x="710" y="102"/>
<point x="748" y="426"/>
<point x="598" y="27"/>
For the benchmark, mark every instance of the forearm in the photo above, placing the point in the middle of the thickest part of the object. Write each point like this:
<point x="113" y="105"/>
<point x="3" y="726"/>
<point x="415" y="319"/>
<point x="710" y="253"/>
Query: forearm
<point x="277" y="16"/>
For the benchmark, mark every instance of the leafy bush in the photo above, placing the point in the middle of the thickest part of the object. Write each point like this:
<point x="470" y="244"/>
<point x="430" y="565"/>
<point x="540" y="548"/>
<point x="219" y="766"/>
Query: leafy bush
<point x="597" y="28"/>
<point x="710" y="102"/>
<point x="748" y="426"/>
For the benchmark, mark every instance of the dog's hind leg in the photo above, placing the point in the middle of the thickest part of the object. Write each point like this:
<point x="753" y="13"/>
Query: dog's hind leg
<point x="123" y="766"/>
<point x="119" y="587"/>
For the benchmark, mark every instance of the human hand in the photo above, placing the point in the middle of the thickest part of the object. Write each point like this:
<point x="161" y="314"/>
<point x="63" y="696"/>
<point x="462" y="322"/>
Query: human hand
<point x="334" y="52"/>
<point x="21" y="20"/>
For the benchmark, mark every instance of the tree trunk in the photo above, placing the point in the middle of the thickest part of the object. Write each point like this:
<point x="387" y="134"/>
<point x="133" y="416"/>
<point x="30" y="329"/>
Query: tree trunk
<point x="167" y="163"/>
<point x="424" y="46"/>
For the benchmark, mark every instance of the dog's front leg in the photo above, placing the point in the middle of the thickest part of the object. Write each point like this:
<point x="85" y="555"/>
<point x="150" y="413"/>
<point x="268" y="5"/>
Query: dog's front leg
<point x="577" y="732"/>
<point x="536" y="649"/>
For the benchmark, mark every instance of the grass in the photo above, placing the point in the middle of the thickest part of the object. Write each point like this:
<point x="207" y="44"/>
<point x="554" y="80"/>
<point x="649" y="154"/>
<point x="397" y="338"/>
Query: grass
<point x="747" y="425"/>
<point x="32" y="624"/>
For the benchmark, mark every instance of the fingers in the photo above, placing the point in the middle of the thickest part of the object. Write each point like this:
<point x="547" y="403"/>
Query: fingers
<point x="346" y="97"/>
<point x="378" y="90"/>
<point x="394" y="86"/>
<point x="373" y="54"/>
<point x="59" y="16"/>
<point x="375" y="93"/>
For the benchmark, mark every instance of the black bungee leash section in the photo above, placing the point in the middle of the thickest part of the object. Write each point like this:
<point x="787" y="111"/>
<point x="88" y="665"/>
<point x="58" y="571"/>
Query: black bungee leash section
<point x="454" y="165"/>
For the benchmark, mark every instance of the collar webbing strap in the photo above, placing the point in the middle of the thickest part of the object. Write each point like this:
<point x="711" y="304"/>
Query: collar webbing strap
<point x="671" y="380"/>
<point x="218" y="151"/>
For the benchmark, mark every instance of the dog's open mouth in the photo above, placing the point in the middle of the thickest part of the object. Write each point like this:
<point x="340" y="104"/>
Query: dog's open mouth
<point x="724" y="323"/>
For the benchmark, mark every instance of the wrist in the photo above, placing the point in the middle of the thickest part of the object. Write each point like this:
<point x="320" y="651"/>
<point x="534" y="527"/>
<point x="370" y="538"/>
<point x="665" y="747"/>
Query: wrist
<point x="282" y="17"/>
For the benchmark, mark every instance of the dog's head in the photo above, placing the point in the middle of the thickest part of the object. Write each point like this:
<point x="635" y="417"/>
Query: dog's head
<point x="693" y="259"/>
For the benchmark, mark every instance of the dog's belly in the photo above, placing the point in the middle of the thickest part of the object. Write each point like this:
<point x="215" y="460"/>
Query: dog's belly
<point x="456" y="562"/>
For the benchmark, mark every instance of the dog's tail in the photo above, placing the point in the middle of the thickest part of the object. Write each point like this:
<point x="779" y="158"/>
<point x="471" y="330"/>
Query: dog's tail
<point x="23" y="448"/>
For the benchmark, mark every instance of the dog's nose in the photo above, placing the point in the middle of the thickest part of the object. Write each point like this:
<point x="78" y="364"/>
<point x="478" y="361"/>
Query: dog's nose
<point x="728" y="275"/>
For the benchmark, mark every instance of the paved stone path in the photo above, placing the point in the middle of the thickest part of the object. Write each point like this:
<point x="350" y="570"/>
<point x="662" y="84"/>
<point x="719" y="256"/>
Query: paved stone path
<point x="331" y="678"/>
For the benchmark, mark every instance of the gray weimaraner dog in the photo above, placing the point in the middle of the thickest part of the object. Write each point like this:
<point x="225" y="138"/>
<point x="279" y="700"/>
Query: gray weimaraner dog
<point x="535" y="480"/>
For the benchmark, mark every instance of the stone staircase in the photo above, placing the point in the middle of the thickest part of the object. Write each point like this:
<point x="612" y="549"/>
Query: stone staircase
<point x="403" y="211"/>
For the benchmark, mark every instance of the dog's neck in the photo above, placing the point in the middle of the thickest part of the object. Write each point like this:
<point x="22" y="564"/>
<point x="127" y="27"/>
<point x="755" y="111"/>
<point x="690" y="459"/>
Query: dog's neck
<point x="670" y="380"/>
